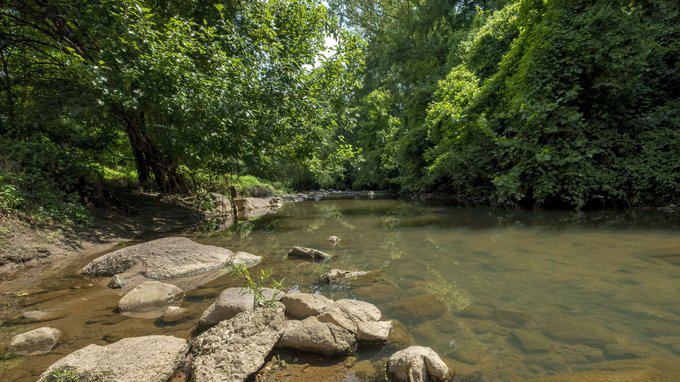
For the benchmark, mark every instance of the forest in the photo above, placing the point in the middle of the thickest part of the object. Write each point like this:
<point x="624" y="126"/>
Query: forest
<point x="533" y="103"/>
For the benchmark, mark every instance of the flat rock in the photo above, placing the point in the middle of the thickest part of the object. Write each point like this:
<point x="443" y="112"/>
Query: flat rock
<point x="577" y="332"/>
<point x="235" y="349"/>
<point x="148" y="296"/>
<point x="36" y="341"/>
<point x="347" y="314"/>
<point x="376" y="331"/>
<point x="531" y="341"/>
<point x="166" y="258"/>
<point x="136" y="359"/>
<point x="228" y="304"/>
<point x="416" y="364"/>
<point x="303" y="305"/>
<point x="339" y="276"/>
<point x="310" y="254"/>
<point x="314" y="336"/>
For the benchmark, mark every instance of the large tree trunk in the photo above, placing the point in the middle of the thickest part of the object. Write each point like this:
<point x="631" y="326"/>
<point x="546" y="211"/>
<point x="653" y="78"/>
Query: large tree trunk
<point x="150" y="160"/>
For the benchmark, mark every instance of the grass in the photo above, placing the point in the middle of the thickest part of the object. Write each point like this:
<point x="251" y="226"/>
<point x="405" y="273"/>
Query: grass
<point x="64" y="375"/>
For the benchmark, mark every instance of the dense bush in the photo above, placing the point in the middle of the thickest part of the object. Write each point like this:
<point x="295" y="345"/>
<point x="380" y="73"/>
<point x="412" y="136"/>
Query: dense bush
<point x="555" y="104"/>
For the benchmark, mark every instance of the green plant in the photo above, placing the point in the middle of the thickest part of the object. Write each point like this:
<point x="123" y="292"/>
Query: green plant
<point x="64" y="375"/>
<point x="258" y="285"/>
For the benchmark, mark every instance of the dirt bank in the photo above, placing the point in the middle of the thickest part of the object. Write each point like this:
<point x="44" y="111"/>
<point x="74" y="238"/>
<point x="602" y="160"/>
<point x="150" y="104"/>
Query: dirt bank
<point x="30" y="254"/>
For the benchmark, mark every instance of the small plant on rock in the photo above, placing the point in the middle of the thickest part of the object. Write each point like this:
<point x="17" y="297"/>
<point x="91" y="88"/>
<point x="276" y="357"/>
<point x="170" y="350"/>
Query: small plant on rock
<point x="258" y="285"/>
<point x="64" y="375"/>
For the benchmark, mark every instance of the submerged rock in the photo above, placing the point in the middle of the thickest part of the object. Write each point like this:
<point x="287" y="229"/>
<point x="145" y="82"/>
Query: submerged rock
<point x="42" y="316"/>
<point x="310" y="254"/>
<point x="137" y="359"/>
<point x="577" y="332"/>
<point x="417" y="308"/>
<point x="531" y="341"/>
<point x="236" y="348"/>
<point x="36" y="341"/>
<point x="303" y="305"/>
<point x="116" y="282"/>
<point x="312" y="335"/>
<point x="416" y="364"/>
<point x="166" y="258"/>
<point x="174" y="314"/>
<point x="148" y="296"/>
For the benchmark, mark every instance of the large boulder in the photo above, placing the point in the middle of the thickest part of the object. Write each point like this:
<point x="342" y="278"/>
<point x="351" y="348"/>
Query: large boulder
<point x="416" y="364"/>
<point x="230" y="302"/>
<point x="137" y="359"/>
<point x="312" y="335"/>
<point x="36" y="341"/>
<point x="303" y="305"/>
<point x="310" y="254"/>
<point x="166" y="258"/>
<point x="149" y="296"/>
<point x="236" y="348"/>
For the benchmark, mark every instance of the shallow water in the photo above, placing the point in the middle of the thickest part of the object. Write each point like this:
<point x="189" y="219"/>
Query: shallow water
<point x="502" y="295"/>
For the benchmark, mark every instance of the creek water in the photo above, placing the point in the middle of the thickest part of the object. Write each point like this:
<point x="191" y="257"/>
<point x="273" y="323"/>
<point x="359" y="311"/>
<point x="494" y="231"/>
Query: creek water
<point x="502" y="295"/>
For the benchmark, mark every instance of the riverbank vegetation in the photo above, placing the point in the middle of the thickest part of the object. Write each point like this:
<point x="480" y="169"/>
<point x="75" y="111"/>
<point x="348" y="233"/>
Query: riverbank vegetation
<point x="526" y="102"/>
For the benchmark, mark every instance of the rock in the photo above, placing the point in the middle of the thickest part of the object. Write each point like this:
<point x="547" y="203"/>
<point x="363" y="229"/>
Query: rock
<point x="310" y="254"/>
<point x="174" y="314"/>
<point x="334" y="240"/>
<point x="416" y="364"/>
<point x="510" y="318"/>
<point x="625" y="351"/>
<point x="148" y="296"/>
<point x="417" y="308"/>
<point x="303" y="305"/>
<point x="36" y="341"/>
<point x="339" y="276"/>
<point x="116" y="282"/>
<point x="136" y="359"/>
<point x="376" y="331"/>
<point x="577" y="332"/>
<point x="236" y="348"/>
<point x="228" y="304"/>
<point x="470" y="352"/>
<point x="399" y="336"/>
<point x="167" y="258"/>
<point x="42" y="316"/>
<point x="531" y="341"/>
<point x="347" y="314"/>
<point x="476" y="312"/>
<point x="312" y="335"/>
<point x="272" y="294"/>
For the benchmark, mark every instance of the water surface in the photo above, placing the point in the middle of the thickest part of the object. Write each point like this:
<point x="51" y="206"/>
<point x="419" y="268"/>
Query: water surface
<point x="502" y="295"/>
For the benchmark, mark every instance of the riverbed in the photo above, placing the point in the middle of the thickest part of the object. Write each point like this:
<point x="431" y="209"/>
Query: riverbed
<point x="502" y="295"/>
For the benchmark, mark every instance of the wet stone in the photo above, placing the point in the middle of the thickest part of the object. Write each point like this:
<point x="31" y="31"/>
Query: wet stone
<point x="624" y="351"/>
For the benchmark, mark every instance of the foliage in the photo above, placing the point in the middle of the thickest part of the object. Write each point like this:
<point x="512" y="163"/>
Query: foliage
<point x="561" y="104"/>
<point x="64" y="375"/>
<point x="256" y="286"/>
<point x="42" y="182"/>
